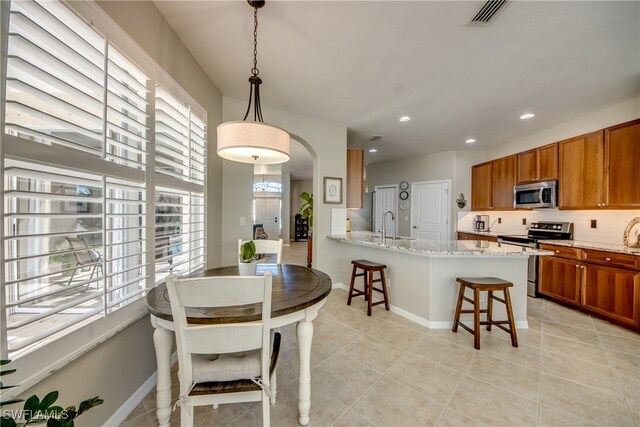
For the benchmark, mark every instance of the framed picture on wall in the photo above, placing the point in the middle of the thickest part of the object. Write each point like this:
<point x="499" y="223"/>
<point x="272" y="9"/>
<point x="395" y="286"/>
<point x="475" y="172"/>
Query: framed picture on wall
<point x="332" y="190"/>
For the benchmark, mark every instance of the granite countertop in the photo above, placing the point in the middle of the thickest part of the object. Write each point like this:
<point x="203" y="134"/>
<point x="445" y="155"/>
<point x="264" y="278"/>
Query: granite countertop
<point x="434" y="248"/>
<point x="609" y="247"/>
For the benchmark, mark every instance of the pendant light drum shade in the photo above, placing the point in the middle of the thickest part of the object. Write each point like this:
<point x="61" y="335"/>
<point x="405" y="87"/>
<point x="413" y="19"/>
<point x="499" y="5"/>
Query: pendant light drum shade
<point x="253" y="142"/>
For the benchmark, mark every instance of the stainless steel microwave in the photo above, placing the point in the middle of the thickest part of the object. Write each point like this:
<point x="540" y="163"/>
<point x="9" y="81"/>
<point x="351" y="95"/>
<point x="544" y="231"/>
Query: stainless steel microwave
<point x="542" y="194"/>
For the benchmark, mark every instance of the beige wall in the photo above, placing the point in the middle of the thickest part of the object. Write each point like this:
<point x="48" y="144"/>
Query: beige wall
<point x="449" y="165"/>
<point x="119" y="366"/>
<point x="327" y="143"/>
<point x="600" y="119"/>
<point x="113" y="370"/>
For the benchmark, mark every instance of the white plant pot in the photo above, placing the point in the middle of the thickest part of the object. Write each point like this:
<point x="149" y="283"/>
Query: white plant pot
<point x="247" y="268"/>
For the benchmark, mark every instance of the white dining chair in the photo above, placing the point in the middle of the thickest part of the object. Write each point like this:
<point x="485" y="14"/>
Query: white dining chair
<point x="266" y="247"/>
<point x="224" y="363"/>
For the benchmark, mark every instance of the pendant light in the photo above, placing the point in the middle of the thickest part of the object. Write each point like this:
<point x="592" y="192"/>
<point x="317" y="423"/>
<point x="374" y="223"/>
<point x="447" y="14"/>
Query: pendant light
<point x="253" y="141"/>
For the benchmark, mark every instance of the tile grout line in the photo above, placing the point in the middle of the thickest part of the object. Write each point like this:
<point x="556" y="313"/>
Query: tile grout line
<point x="446" y="406"/>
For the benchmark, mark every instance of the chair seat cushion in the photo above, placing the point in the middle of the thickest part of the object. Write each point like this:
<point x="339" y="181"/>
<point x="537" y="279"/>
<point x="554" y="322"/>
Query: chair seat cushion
<point x="225" y="367"/>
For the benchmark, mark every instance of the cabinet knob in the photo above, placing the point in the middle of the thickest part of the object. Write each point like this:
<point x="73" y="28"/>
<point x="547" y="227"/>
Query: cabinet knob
<point x="582" y="266"/>
<point x="577" y="265"/>
<point x="607" y="259"/>
<point x="557" y="251"/>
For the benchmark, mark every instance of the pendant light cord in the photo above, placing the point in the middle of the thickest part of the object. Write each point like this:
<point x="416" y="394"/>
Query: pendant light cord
<point x="255" y="70"/>
<point x="254" y="91"/>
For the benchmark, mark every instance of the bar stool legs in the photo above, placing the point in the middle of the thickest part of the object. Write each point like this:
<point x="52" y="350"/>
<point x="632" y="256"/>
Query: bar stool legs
<point x="368" y="269"/>
<point x="488" y="284"/>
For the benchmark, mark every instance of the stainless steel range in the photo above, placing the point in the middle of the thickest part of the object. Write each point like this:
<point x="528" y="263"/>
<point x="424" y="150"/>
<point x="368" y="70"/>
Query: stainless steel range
<point x="538" y="231"/>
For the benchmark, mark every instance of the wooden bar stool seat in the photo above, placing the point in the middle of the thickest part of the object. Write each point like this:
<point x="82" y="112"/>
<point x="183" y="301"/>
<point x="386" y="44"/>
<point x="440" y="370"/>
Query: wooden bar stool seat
<point x="368" y="268"/>
<point x="482" y="284"/>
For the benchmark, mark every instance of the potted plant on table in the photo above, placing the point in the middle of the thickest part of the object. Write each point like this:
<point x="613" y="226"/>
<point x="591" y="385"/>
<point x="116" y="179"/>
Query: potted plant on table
<point x="307" y="213"/>
<point x="247" y="263"/>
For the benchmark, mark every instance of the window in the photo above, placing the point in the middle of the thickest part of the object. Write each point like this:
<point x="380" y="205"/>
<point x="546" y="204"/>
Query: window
<point x="103" y="196"/>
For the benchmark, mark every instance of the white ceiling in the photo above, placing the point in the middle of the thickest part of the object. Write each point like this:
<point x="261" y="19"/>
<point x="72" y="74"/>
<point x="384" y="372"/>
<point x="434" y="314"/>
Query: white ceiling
<point x="365" y="64"/>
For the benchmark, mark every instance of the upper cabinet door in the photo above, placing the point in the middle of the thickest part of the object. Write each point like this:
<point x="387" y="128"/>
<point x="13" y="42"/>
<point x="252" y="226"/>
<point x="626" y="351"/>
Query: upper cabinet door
<point x="540" y="164"/>
<point x="481" y="187"/>
<point x="547" y="162"/>
<point x="355" y="178"/>
<point x="582" y="171"/>
<point x="527" y="167"/>
<point x="503" y="181"/>
<point x="622" y="165"/>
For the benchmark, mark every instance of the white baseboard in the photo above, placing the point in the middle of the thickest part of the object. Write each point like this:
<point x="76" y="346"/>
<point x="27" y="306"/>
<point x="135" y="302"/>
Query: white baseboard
<point x="134" y="400"/>
<point x="520" y="324"/>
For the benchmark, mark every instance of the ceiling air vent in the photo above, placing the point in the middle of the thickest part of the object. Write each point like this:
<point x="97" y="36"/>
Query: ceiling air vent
<point x="488" y="12"/>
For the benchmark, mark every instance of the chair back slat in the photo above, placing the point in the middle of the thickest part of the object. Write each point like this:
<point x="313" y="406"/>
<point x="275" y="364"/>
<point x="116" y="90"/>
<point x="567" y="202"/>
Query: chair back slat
<point x="80" y="250"/>
<point x="206" y="339"/>
<point x="220" y="338"/>
<point x="223" y="291"/>
<point x="266" y="247"/>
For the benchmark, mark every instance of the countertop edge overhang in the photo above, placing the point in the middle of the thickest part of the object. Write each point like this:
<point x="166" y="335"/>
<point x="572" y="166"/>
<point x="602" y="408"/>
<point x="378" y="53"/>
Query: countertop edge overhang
<point x="428" y="248"/>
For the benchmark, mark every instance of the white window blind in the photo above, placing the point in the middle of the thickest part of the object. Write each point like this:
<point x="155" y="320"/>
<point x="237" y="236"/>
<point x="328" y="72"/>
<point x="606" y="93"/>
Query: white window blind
<point x="179" y="232"/>
<point x="180" y="139"/>
<point x="76" y="233"/>
<point x="55" y="77"/>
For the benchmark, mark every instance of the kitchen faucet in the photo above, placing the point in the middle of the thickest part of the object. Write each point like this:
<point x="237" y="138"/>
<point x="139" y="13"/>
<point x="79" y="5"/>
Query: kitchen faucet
<point x="384" y="224"/>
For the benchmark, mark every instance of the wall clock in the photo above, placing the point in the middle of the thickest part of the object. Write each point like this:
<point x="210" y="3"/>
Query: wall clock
<point x="404" y="205"/>
<point x="404" y="195"/>
<point x="404" y="185"/>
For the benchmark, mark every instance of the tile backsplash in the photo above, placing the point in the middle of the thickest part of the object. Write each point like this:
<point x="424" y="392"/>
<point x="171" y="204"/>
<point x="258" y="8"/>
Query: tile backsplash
<point x="610" y="223"/>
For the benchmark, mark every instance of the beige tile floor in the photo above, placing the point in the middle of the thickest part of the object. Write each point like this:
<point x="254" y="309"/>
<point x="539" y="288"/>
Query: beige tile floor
<point x="570" y="370"/>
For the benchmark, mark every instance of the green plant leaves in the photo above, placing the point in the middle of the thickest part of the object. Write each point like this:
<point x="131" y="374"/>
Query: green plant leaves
<point x="48" y="400"/>
<point x="307" y="209"/>
<point x="7" y="422"/>
<point x="31" y="406"/>
<point x="248" y="250"/>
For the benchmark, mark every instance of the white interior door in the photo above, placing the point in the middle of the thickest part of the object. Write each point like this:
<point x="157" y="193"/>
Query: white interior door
<point x="268" y="213"/>
<point x="386" y="200"/>
<point x="430" y="210"/>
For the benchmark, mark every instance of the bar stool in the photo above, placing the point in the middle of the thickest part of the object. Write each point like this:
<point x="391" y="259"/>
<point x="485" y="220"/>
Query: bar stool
<point x="368" y="268"/>
<point x="488" y="284"/>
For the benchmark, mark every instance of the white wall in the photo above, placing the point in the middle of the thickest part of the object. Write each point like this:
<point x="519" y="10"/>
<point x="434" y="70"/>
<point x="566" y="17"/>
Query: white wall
<point x="327" y="143"/>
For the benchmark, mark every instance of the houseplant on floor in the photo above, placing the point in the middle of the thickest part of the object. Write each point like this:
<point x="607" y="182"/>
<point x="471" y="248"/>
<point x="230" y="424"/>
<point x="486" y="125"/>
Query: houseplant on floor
<point x="36" y="411"/>
<point x="247" y="263"/>
<point x="307" y="213"/>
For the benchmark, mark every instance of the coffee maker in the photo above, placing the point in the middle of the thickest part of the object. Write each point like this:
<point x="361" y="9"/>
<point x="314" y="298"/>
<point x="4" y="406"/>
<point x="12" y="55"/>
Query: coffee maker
<point x="481" y="223"/>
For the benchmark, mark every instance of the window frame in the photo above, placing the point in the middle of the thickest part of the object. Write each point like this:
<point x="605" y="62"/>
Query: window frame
<point x="51" y="357"/>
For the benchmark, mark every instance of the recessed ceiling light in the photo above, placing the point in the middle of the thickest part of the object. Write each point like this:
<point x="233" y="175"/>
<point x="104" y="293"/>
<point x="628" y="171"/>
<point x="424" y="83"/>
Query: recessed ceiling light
<point x="373" y="150"/>
<point x="527" y="116"/>
<point x="470" y="141"/>
<point x="404" y="118"/>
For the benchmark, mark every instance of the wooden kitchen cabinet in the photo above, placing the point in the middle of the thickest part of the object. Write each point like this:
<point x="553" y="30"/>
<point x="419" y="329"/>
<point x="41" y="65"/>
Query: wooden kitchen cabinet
<point x="471" y="236"/>
<point x="540" y="164"/>
<point x="355" y="178"/>
<point x="622" y="165"/>
<point x="581" y="177"/>
<point x="612" y="292"/>
<point x="503" y="178"/>
<point x="600" y="282"/>
<point x="481" y="186"/>
<point x="560" y="279"/>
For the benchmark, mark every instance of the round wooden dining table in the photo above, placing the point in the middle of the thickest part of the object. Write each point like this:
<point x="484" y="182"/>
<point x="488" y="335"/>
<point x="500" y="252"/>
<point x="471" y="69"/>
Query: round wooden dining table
<point x="298" y="293"/>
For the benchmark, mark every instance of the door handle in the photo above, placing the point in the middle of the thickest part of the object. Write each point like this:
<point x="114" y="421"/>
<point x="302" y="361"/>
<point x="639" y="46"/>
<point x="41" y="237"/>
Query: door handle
<point x="414" y="226"/>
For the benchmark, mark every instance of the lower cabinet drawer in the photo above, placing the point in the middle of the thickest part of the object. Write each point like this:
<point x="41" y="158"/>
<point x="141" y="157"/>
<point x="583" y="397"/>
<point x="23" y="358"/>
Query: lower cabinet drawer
<point x="563" y="251"/>
<point x="612" y="259"/>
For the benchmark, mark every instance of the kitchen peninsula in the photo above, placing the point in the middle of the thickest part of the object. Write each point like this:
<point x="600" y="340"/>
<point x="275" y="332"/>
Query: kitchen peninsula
<point x="421" y="273"/>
